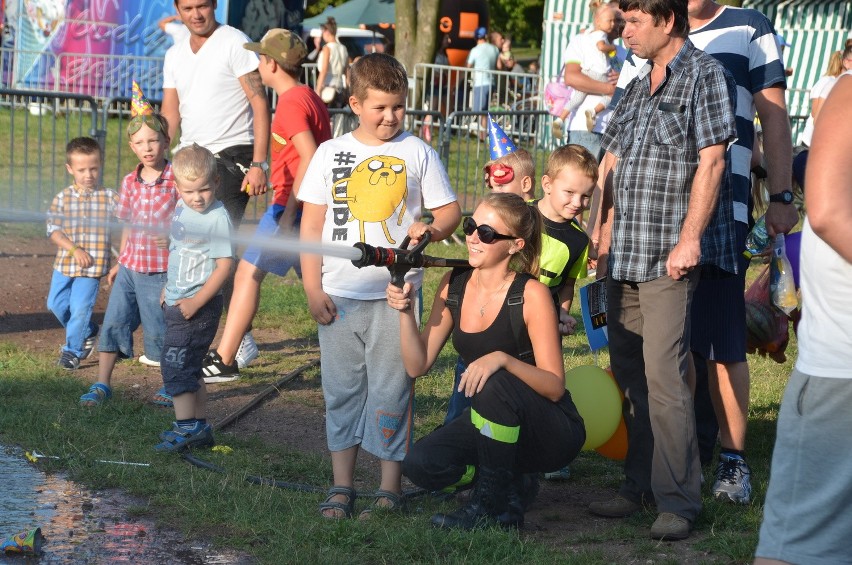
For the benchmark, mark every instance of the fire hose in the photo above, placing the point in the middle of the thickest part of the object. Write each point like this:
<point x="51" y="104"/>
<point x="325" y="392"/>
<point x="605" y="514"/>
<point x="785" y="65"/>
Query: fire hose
<point x="401" y="260"/>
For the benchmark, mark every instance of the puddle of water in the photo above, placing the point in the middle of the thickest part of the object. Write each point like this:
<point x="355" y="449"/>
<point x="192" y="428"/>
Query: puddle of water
<point x="81" y="526"/>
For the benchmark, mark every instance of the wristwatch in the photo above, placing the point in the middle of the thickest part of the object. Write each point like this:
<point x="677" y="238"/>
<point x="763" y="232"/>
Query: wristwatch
<point x="264" y="166"/>
<point x="784" y="197"/>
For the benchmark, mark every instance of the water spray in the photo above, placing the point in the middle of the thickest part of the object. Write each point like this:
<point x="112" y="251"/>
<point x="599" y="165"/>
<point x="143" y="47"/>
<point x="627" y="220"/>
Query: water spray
<point x="398" y="260"/>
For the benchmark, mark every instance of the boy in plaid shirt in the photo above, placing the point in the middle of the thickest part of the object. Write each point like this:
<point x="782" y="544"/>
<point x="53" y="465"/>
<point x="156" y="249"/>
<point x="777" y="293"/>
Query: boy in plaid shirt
<point x="147" y="203"/>
<point x="77" y="223"/>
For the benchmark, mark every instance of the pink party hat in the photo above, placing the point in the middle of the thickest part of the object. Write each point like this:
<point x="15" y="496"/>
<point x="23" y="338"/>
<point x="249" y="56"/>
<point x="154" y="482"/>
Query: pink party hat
<point x="499" y="142"/>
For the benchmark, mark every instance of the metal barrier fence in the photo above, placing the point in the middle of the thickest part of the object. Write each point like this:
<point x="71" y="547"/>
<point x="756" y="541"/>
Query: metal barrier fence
<point x="449" y="89"/>
<point x="39" y="125"/>
<point x="95" y="75"/>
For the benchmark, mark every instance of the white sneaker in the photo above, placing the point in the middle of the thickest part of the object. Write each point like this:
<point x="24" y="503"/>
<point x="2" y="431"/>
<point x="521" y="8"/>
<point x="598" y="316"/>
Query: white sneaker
<point x="145" y="361"/>
<point x="247" y="351"/>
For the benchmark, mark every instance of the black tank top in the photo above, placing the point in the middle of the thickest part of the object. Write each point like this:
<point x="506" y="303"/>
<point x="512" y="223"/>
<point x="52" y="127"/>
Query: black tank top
<point x="496" y="337"/>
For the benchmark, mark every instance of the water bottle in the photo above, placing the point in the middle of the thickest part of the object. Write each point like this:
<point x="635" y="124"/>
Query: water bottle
<point x="757" y="240"/>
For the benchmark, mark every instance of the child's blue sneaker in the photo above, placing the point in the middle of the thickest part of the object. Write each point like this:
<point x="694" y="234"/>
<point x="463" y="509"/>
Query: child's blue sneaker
<point x="178" y="439"/>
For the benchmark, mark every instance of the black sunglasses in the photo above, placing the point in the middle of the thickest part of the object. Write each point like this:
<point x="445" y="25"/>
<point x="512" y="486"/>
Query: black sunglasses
<point x="487" y="234"/>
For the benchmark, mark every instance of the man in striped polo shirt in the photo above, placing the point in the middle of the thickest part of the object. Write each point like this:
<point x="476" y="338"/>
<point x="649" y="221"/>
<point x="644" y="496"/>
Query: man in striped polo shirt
<point x="743" y="41"/>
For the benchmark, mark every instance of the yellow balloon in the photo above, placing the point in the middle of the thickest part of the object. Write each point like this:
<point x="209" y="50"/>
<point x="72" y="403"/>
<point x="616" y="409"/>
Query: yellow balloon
<point x="616" y="446"/>
<point x="598" y="401"/>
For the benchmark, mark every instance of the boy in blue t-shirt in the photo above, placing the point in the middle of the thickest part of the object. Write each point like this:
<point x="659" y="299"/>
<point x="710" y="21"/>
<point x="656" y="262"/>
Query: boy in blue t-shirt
<point x="200" y="260"/>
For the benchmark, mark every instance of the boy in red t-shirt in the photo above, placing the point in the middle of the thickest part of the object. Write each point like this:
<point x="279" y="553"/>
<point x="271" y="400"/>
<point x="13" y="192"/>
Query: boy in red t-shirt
<point x="300" y="124"/>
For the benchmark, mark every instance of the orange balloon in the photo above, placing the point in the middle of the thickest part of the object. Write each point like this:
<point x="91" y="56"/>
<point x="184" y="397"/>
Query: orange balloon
<point x="616" y="446"/>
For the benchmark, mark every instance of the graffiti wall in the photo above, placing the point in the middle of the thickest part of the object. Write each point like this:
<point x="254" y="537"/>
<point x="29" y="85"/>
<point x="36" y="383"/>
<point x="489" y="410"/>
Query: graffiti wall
<point x="98" y="47"/>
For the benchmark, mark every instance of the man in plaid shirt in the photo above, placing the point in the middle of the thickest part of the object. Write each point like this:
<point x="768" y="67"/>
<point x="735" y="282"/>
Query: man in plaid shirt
<point x="668" y="191"/>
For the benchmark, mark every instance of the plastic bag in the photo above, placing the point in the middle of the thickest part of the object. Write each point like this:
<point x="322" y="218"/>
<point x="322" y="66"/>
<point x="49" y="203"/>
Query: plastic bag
<point x="757" y="240"/>
<point x="767" y="327"/>
<point x="556" y="96"/>
<point x="781" y="281"/>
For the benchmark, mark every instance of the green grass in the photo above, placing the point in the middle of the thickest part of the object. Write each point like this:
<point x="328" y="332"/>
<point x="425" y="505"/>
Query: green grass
<point x="40" y="412"/>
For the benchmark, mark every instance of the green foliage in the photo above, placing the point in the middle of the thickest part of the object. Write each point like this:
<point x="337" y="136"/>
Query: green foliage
<point x="316" y="7"/>
<point x="519" y="19"/>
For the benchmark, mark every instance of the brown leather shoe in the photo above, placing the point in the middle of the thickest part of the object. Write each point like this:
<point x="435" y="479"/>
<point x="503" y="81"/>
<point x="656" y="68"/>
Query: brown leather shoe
<point x="618" y="507"/>
<point x="670" y="527"/>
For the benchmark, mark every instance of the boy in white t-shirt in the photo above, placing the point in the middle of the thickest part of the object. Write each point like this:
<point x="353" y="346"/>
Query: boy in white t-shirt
<point x="368" y="186"/>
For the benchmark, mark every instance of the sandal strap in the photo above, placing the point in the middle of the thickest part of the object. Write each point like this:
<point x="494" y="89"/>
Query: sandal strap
<point x="396" y="499"/>
<point x="347" y="508"/>
<point x="96" y="395"/>
<point x="101" y="390"/>
<point x="397" y="503"/>
<point x="346" y="491"/>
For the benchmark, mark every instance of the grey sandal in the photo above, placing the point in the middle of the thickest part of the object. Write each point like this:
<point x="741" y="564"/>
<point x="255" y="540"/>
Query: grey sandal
<point x="347" y="508"/>
<point x="395" y="503"/>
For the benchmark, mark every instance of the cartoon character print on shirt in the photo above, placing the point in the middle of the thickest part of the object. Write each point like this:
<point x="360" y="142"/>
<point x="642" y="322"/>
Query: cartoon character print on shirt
<point x="373" y="191"/>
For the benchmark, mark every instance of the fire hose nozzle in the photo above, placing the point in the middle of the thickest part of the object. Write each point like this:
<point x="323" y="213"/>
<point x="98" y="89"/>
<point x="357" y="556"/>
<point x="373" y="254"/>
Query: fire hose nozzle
<point x="401" y="260"/>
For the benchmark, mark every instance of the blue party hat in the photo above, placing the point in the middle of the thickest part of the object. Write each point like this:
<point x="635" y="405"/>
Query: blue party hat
<point x="500" y="143"/>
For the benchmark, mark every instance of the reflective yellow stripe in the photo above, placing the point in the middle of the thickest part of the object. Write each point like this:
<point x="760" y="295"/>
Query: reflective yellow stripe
<point x="465" y="479"/>
<point x="498" y="432"/>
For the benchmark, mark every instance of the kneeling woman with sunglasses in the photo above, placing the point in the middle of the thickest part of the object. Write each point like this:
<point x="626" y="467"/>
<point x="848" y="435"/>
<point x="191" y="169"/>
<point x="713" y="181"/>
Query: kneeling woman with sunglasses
<point x="522" y="419"/>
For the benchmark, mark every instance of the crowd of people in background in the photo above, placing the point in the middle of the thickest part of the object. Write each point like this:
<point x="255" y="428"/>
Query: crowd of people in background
<point x="660" y="137"/>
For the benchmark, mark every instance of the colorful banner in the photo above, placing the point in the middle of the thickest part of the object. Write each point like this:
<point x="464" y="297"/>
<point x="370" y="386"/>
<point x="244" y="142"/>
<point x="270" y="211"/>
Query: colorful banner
<point x="95" y="47"/>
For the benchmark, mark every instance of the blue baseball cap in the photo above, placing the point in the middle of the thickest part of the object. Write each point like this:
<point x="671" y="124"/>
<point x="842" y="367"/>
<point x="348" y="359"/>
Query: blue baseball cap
<point x="481" y="32"/>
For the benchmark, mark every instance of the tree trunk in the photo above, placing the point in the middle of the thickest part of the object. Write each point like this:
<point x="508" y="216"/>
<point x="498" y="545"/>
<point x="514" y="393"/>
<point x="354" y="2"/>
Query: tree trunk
<point x="416" y="31"/>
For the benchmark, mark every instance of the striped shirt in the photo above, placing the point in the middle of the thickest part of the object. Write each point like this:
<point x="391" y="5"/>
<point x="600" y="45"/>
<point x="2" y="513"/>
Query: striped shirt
<point x="657" y="139"/>
<point x="83" y="216"/>
<point x="146" y="205"/>
<point x="744" y="42"/>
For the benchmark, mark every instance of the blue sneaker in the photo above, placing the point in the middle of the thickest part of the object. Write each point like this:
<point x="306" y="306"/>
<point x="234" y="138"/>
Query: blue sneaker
<point x="178" y="439"/>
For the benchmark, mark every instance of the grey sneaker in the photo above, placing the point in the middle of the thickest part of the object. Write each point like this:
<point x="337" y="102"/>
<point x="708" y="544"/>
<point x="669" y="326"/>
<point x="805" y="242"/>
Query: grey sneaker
<point x="68" y="361"/>
<point x="562" y="474"/>
<point x="617" y="507"/>
<point x="670" y="527"/>
<point x="733" y="480"/>
<point x="89" y="345"/>
<point x="247" y="352"/>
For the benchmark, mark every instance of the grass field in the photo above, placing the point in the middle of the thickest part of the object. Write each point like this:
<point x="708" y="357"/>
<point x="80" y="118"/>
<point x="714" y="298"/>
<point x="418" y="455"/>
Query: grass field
<point x="280" y="526"/>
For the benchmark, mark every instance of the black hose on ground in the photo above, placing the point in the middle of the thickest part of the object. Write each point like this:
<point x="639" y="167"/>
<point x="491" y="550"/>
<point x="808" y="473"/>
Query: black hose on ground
<point x="250" y="405"/>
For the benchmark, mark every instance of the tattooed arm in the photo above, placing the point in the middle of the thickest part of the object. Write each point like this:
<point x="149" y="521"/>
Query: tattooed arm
<point x="256" y="94"/>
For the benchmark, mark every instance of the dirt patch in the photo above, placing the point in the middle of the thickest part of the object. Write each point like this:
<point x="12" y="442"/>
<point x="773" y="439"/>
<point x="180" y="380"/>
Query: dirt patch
<point x="559" y="514"/>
